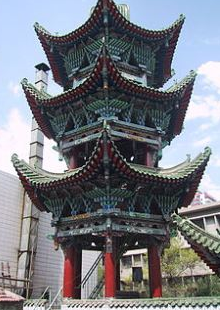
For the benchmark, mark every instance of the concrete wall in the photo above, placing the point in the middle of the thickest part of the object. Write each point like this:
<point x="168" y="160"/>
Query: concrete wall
<point x="10" y="219"/>
<point x="48" y="267"/>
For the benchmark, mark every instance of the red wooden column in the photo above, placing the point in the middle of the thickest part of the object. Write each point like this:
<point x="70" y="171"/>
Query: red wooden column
<point x="155" y="277"/>
<point x="73" y="160"/>
<point x="72" y="273"/>
<point x="110" y="266"/>
<point x="148" y="161"/>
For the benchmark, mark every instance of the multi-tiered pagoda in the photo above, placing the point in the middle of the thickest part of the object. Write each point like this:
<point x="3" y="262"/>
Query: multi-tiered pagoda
<point x="111" y="124"/>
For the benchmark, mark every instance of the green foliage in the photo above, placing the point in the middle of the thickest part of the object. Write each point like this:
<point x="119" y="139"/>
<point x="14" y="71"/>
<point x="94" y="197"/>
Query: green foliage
<point x="177" y="267"/>
<point x="177" y="260"/>
<point x="208" y="286"/>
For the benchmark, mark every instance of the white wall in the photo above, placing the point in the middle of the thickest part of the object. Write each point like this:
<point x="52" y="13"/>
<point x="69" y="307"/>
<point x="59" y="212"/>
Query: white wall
<point x="11" y="197"/>
<point x="89" y="258"/>
<point x="48" y="268"/>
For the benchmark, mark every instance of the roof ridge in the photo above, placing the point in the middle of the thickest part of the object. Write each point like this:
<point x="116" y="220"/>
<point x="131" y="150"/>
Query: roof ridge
<point x="186" y="221"/>
<point x="41" y="93"/>
<point x="190" y="77"/>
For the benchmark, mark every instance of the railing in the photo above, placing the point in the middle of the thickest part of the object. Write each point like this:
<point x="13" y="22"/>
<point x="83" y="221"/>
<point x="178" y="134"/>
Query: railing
<point x="97" y="289"/>
<point x="86" y="283"/>
<point x="91" y="270"/>
<point x="55" y="298"/>
<point x="39" y="302"/>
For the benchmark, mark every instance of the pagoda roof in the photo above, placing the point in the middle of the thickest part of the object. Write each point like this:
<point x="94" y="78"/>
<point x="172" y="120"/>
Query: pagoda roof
<point x="204" y="302"/>
<point x="167" y="39"/>
<point x="206" y="245"/>
<point x="185" y="176"/>
<point x="180" y="93"/>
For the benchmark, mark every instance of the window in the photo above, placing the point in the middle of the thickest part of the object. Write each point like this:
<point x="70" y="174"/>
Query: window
<point x="198" y="222"/>
<point x="126" y="261"/>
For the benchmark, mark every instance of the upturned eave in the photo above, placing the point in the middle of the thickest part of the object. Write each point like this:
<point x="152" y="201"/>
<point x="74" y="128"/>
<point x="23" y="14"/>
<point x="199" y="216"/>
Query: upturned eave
<point x="189" y="174"/>
<point x="206" y="245"/>
<point x="166" y="38"/>
<point x="180" y="93"/>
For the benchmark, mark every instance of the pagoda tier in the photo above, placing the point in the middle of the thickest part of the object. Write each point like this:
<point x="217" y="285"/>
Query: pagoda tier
<point x="148" y="53"/>
<point x="206" y="245"/>
<point x="134" y="113"/>
<point x="107" y="181"/>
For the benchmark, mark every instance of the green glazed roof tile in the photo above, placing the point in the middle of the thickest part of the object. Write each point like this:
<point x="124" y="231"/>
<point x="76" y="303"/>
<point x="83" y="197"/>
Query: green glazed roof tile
<point x="39" y="176"/>
<point x="156" y="303"/>
<point x="197" y="234"/>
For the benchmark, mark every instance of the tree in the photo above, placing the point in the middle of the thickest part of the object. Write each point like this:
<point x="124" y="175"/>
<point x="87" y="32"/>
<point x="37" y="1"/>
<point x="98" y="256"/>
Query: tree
<point x="177" y="262"/>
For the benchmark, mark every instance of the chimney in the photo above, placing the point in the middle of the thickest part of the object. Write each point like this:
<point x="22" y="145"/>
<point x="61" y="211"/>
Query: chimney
<point x="37" y="137"/>
<point x="41" y="76"/>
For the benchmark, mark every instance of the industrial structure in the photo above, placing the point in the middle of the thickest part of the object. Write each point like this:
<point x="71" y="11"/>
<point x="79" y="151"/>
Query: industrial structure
<point x="111" y="124"/>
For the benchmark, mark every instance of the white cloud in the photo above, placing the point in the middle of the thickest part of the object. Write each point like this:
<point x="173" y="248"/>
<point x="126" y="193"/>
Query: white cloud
<point x="205" y="126"/>
<point x="51" y="158"/>
<point x="210" y="187"/>
<point x="15" y="88"/>
<point x="15" y="138"/>
<point x="211" y="74"/>
<point x="204" y="107"/>
<point x="215" y="161"/>
<point x="202" y="142"/>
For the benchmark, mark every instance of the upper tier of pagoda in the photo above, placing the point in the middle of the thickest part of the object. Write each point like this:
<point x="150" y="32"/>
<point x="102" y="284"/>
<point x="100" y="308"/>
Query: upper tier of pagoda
<point x="146" y="54"/>
<point x="134" y="112"/>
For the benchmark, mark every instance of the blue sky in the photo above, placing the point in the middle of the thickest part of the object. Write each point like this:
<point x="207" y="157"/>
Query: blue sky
<point x="198" y="48"/>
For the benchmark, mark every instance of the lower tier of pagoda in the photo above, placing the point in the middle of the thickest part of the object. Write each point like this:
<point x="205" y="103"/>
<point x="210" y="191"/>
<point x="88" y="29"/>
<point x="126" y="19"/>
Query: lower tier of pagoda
<point x="132" y="230"/>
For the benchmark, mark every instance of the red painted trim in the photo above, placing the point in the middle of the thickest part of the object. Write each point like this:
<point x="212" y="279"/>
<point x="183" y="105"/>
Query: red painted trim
<point x="155" y="277"/>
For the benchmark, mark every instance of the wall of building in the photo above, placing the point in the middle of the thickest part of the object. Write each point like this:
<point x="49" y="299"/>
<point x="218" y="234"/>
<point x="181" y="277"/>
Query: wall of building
<point x="10" y="219"/>
<point x="88" y="259"/>
<point x="206" y="216"/>
<point x="48" y="267"/>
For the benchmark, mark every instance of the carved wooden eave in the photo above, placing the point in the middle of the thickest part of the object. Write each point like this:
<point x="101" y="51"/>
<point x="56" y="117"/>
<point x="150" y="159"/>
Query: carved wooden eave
<point x="172" y="102"/>
<point x="165" y="185"/>
<point x="163" y="41"/>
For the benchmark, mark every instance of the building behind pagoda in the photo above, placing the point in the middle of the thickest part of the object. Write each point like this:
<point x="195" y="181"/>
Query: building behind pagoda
<point x="111" y="123"/>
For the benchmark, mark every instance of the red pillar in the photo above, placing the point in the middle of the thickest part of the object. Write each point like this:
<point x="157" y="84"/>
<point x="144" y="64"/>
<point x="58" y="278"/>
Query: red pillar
<point x="73" y="160"/>
<point x="155" y="277"/>
<point x="148" y="158"/>
<point x="72" y="273"/>
<point x="110" y="278"/>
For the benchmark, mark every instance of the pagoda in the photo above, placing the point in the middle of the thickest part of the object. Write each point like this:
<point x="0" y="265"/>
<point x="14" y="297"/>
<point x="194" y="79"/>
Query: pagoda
<point x="111" y="123"/>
